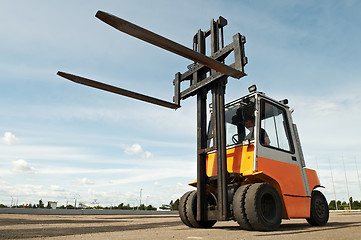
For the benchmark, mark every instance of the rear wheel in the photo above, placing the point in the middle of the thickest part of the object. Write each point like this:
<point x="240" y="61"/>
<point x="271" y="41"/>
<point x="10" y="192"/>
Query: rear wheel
<point x="319" y="209"/>
<point x="263" y="207"/>
<point x="191" y="211"/>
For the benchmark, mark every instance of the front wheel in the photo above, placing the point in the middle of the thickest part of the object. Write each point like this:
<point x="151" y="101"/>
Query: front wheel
<point x="190" y="210"/>
<point x="239" y="211"/>
<point x="319" y="209"/>
<point x="182" y="208"/>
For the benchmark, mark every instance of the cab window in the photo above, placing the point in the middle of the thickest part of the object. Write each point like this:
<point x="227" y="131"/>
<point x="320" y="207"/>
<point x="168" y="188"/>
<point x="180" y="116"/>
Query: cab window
<point x="237" y="116"/>
<point x="275" y="127"/>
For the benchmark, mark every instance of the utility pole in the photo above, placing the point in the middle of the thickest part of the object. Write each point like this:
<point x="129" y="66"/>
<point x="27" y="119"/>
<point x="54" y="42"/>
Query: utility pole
<point x="348" y="194"/>
<point x="358" y="176"/>
<point x="140" y="197"/>
<point x="318" y="170"/>
<point x="333" y="184"/>
<point x="146" y="201"/>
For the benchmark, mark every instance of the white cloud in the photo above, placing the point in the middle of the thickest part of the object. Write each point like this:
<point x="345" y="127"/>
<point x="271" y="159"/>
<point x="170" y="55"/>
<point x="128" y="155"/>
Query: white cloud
<point x="136" y="149"/>
<point x="84" y="181"/>
<point x="148" y="155"/>
<point x="326" y="107"/>
<point x="10" y="138"/>
<point x="56" y="188"/>
<point x="22" y="166"/>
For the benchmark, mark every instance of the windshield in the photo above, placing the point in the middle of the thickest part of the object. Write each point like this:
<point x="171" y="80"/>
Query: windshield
<point x="239" y="122"/>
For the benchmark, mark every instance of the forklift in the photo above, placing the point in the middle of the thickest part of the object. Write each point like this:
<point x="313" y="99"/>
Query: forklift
<point x="250" y="165"/>
<point x="265" y="170"/>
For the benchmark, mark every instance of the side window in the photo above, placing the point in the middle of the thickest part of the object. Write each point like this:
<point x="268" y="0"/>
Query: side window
<point x="231" y="130"/>
<point x="274" y="130"/>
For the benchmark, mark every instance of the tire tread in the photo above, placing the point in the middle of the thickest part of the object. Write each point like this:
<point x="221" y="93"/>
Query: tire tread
<point x="183" y="209"/>
<point x="252" y="208"/>
<point x="239" y="212"/>
<point x="314" y="219"/>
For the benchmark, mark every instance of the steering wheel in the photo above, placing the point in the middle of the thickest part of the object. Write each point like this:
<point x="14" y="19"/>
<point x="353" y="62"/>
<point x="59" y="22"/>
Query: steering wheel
<point x="235" y="138"/>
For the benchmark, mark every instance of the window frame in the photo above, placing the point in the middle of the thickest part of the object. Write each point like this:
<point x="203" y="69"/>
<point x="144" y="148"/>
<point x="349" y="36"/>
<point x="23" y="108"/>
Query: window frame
<point x="287" y="130"/>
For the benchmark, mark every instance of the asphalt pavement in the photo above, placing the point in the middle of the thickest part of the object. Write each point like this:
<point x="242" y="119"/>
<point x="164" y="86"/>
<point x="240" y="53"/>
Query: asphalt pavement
<point x="341" y="225"/>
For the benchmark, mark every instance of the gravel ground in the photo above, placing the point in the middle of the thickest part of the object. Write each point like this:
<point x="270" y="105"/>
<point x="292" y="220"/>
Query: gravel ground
<point x="342" y="225"/>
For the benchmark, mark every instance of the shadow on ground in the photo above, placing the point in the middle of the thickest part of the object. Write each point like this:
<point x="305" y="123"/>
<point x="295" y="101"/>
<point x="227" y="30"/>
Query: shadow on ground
<point x="71" y="230"/>
<point x="298" y="228"/>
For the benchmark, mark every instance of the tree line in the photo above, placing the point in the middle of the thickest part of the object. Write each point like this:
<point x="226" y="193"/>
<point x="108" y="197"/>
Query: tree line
<point x="355" y="205"/>
<point x="172" y="206"/>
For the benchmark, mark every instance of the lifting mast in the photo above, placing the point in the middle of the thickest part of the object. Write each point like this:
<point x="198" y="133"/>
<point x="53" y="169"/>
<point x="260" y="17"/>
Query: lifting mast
<point x="206" y="74"/>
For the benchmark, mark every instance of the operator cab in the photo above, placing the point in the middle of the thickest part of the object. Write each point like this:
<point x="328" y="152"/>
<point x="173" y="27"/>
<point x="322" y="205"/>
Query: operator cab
<point x="257" y="113"/>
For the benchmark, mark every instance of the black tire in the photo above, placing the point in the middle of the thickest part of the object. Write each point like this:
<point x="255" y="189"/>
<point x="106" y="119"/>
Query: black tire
<point x="239" y="213"/>
<point x="191" y="212"/>
<point x="182" y="208"/>
<point x="319" y="209"/>
<point x="263" y="207"/>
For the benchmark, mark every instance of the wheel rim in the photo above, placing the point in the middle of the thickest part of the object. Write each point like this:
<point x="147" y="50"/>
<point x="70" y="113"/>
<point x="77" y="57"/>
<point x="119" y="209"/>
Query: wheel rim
<point x="320" y="208"/>
<point x="268" y="207"/>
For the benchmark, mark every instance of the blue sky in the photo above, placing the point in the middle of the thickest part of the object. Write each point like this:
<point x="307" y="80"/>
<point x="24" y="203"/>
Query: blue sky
<point x="61" y="141"/>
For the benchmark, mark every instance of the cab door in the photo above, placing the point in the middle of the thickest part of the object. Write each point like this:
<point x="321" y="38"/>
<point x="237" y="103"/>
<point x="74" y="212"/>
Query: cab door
<point x="278" y="158"/>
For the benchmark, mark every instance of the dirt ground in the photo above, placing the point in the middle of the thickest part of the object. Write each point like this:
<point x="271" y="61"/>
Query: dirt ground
<point x="342" y="225"/>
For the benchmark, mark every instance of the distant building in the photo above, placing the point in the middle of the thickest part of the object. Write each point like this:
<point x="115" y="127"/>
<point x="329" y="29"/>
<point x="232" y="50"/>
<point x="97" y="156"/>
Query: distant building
<point x="52" y="205"/>
<point x="83" y="205"/>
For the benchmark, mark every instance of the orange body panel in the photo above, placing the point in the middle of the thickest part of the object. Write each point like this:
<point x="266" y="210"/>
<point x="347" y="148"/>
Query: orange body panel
<point x="234" y="163"/>
<point x="297" y="207"/>
<point x="312" y="177"/>
<point x="287" y="175"/>
<point x="290" y="181"/>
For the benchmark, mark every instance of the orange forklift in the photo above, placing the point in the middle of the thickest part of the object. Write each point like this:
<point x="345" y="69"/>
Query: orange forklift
<point x="266" y="175"/>
<point x="250" y="166"/>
